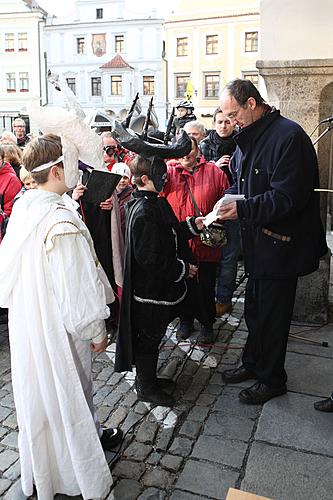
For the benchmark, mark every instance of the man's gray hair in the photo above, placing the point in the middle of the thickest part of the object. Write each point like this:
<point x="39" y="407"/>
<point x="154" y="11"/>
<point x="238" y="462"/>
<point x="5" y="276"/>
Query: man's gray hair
<point x="197" y="125"/>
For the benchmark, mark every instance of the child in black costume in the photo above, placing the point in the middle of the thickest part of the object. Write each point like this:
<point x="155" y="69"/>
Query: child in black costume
<point x="157" y="263"/>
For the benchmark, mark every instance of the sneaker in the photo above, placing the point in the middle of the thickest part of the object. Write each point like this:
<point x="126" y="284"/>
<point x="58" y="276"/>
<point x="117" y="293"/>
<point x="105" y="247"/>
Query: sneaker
<point x="185" y="330"/>
<point x="206" y="335"/>
<point x="111" y="438"/>
<point x="223" y="308"/>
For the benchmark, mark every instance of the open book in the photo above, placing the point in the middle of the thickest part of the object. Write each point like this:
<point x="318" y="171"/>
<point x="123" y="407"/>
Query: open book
<point x="227" y="198"/>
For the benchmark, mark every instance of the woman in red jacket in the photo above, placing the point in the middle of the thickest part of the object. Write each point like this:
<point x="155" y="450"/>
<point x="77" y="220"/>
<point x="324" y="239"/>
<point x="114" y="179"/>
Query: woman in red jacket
<point x="10" y="185"/>
<point x="207" y="184"/>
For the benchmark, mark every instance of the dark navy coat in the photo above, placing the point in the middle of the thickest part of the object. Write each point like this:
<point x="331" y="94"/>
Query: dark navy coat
<point x="276" y="169"/>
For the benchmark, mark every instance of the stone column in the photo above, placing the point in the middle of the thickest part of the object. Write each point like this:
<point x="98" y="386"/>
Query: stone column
<point x="303" y="90"/>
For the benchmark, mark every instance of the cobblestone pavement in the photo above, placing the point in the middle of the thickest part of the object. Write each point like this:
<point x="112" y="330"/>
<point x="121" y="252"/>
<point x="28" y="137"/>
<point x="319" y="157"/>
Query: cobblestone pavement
<point x="208" y="442"/>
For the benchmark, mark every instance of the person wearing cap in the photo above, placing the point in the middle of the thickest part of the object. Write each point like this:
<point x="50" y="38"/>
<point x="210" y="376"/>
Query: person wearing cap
<point x="185" y="114"/>
<point x="56" y="293"/>
<point x="124" y="191"/>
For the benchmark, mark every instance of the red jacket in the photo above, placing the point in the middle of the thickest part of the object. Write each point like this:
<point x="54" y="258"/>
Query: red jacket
<point x="207" y="184"/>
<point x="10" y="185"/>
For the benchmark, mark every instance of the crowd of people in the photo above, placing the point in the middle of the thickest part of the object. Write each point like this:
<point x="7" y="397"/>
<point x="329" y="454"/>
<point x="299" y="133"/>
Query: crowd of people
<point x="139" y="255"/>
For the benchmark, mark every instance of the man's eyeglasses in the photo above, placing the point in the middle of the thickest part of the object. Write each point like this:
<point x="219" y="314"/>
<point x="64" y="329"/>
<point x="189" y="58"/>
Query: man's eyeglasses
<point x="109" y="150"/>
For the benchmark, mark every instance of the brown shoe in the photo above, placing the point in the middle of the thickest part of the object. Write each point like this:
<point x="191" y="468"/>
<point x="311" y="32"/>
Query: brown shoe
<point x="224" y="308"/>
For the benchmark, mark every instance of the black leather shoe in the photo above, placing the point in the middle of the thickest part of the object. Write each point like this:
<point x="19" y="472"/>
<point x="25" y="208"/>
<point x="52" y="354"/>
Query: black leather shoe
<point x="237" y="375"/>
<point x="111" y="438"/>
<point x="259" y="393"/>
<point x="324" y="405"/>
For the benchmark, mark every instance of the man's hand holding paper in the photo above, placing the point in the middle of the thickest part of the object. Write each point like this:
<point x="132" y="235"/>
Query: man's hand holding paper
<point x="224" y="209"/>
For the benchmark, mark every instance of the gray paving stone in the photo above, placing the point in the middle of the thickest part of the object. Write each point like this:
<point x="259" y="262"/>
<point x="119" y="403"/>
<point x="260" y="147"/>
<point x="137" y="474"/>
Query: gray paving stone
<point x="296" y="424"/>
<point x="15" y="492"/>
<point x="13" y="472"/>
<point x="146" y="432"/>
<point x="164" y="438"/>
<point x="115" y="378"/>
<point x="153" y="458"/>
<point x="10" y="439"/>
<point x="236" y="427"/>
<point x="7" y="458"/>
<point x="285" y="474"/>
<point x="182" y="495"/>
<point x="221" y="451"/>
<point x="205" y="399"/>
<point x="190" y="429"/>
<point x="4" y="412"/>
<point x="129" y="469"/>
<point x="117" y="417"/>
<point x="142" y="408"/>
<point x="158" y="477"/>
<point x="206" y="479"/>
<point x="127" y="489"/>
<point x="213" y="389"/>
<point x="103" y="413"/>
<point x="105" y="374"/>
<point x="198" y="413"/>
<point x="4" y="485"/>
<point x="171" y="463"/>
<point x="137" y="451"/>
<point x="152" y="494"/>
<point x="311" y="377"/>
<point x="101" y="394"/>
<point x="2" y="432"/>
<point x="131" y="420"/>
<point x="228" y="403"/>
<point x="181" y="446"/>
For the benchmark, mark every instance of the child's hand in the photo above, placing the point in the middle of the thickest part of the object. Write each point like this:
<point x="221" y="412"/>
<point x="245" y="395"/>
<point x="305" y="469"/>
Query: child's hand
<point x="100" y="346"/>
<point x="199" y="223"/>
<point x="78" y="191"/>
<point x="107" y="204"/>
<point x="192" y="271"/>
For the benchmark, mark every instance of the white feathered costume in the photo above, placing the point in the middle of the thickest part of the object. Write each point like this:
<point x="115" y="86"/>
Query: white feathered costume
<point x="51" y="284"/>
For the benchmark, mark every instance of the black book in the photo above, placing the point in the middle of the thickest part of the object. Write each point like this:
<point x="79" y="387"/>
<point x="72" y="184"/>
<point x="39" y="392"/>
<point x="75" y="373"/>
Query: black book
<point x="100" y="186"/>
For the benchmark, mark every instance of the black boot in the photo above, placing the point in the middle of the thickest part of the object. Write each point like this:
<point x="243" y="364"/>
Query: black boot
<point x="146" y="381"/>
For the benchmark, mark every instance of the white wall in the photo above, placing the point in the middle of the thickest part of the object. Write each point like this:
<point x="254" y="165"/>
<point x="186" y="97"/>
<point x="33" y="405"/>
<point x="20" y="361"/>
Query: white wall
<point x="296" y="29"/>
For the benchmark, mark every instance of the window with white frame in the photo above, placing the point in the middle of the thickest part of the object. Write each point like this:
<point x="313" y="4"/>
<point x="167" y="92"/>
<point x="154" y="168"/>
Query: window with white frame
<point x="148" y="85"/>
<point x="11" y="82"/>
<point x="80" y="45"/>
<point x="22" y="42"/>
<point x="181" y="82"/>
<point x="24" y="81"/>
<point x="212" y="44"/>
<point x="182" y="46"/>
<point x="71" y="82"/>
<point x="9" y="42"/>
<point x="211" y="85"/>
<point x="116" y="85"/>
<point x="253" y="76"/>
<point x="119" y="44"/>
<point x="96" y="86"/>
<point x="251" y="41"/>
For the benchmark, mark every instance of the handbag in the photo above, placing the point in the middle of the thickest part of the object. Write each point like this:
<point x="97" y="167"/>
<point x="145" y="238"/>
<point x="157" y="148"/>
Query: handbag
<point x="213" y="235"/>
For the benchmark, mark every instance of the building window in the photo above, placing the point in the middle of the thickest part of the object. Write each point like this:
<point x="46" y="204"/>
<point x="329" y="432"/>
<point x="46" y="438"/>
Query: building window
<point x="181" y="84"/>
<point x="253" y="76"/>
<point x="11" y="82"/>
<point x="211" y="86"/>
<point x="99" y="13"/>
<point x="80" y="45"/>
<point x="22" y="42"/>
<point x="251" y="41"/>
<point x="116" y="85"/>
<point x="119" y="43"/>
<point x="24" y="82"/>
<point x="182" y="46"/>
<point x="211" y="44"/>
<point x="71" y="84"/>
<point x="148" y="85"/>
<point x="96" y="86"/>
<point x="9" y="42"/>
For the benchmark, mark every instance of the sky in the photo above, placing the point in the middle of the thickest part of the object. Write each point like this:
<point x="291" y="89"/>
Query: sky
<point x="66" y="7"/>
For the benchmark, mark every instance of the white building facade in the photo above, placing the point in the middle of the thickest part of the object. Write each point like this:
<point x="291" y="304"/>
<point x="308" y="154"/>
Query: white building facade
<point x="107" y="57"/>
<point x="22" y="60"/>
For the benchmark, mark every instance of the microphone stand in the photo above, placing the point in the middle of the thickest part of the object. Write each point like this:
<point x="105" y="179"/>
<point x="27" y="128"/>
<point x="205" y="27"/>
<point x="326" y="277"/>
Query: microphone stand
<point x="327" y="129"/>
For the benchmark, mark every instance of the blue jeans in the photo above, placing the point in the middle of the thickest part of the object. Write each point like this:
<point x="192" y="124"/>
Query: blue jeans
<point x="226" y="280"/>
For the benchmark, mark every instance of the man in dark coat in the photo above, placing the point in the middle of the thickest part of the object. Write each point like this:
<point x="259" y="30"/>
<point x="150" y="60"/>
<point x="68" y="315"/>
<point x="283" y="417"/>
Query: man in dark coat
<point x="283" y="237"/>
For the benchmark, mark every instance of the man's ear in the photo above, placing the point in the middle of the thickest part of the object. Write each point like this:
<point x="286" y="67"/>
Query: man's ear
<point x="144" y="179"/>
<point x="252" y="102"/>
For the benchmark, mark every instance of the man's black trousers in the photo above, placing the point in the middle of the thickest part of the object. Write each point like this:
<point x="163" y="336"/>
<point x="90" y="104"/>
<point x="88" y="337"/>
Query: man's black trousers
<point x="268" y="311"/>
